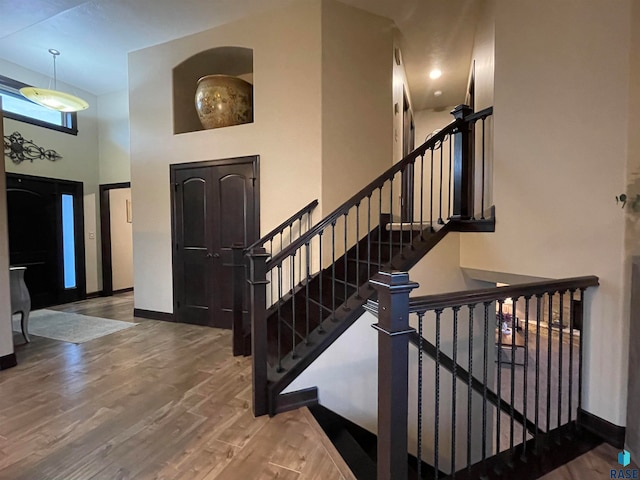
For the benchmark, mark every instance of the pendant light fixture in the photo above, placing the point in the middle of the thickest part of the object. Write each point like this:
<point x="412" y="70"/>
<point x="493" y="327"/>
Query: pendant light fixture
<point x="54" y="99"/>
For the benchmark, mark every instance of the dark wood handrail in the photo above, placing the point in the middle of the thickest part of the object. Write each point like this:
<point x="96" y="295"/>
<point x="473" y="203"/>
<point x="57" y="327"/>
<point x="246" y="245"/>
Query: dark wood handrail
<point x="280" y="228"/>
<point x="474" y="297"/>
<point x="481" y="115"/>
<point x="478" y="296"/>
<point x="376" y="183"/>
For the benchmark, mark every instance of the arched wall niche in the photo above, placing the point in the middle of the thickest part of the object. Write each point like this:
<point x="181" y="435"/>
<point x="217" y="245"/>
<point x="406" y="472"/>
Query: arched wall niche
<point x="237" y="61"/>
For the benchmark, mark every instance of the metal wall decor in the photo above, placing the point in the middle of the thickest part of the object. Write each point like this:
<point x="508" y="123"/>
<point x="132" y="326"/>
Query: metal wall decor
<point x="18" y="149"/>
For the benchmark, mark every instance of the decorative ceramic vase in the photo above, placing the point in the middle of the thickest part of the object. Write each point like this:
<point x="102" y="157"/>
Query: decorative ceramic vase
<point x="224" y="100"/>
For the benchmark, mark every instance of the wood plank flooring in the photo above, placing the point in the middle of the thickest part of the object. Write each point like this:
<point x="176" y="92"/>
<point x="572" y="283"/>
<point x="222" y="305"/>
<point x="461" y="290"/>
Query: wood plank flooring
<point x="595" y="464"/>
<point x="157" y="401"/>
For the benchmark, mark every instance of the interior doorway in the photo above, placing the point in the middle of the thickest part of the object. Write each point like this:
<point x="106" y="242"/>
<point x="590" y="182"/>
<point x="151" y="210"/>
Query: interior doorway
<point x="116" y="235"/>
<point x="46" y="235"/>
<point x="215" y="205"/>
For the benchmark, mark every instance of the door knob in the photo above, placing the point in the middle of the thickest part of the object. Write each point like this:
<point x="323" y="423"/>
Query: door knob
<point x="216" y="255"/>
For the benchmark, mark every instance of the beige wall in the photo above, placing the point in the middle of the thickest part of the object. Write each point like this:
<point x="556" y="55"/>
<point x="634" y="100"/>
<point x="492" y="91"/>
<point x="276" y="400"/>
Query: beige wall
<point x="79" y="152"/>
<point x="561" y="96"/>
<point x="113" y="139"/>
<point x="632" y="233"/>
<point x="286" y="132"/>
<point x="6" y="334"/>
<point x="357" y="102"/>
<point x="121" y="239"/>
<point x="483" y="56"/>
<point x="482" y="69"/>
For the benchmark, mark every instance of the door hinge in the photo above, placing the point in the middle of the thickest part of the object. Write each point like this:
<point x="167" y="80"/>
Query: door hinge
<point x="253" y="181"/>
<point x="175" y="186"/>
<point x="178" y="304"/>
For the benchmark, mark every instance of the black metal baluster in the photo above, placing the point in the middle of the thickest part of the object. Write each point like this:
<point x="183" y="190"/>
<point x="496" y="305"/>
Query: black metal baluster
<point x="431" y="195"/>
<point x="333" y="270"/>
<point x="560" y="360"/>
<point x="402" y="200"/>
<point x="369" y="238"/>
<point x="300" y="257"/>
<point x="483" y="173"/>
<point x="320" y="271"/>
<point x="526" y="371"/>
<point x="499" y="383"/>
<point x="513" y="370"/>
<point x="421" y="196"/>
<point x="537" y="390"/>
<point x="470" y="386"/>
<point x="380" y="227"/>
<point x="391" y="220"/>
<point x="308" y="276"/>
<point x="440" y="221"/>
<point x="436" y="435"/>
<point x="270" y="275"/>
<point x="450" y="179"/>
<point x="293" y="305"/>
<point x="454" y="391"/>
<point x="281" y="232"/>
<point x="485" y="380"/>
<point x="290" y="233"/>
<point x="549" y="358"/>
<point x="357" y="251"/>
<point x="581" y="348"/>
<point x="346" y="276"/>
<point x="420" y="367"/>
<point x="571" y="315"/>
<point x="279" y="318"/>
<point x="413" y="206"/>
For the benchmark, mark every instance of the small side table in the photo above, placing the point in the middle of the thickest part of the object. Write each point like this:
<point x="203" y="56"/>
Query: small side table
<point x="20" y="299"/>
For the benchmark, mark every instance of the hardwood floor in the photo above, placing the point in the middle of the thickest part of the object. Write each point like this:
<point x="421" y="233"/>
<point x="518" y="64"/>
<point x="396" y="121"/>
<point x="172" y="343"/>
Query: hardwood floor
<point x="157" y="401"/>
<point x="595" y="464"/>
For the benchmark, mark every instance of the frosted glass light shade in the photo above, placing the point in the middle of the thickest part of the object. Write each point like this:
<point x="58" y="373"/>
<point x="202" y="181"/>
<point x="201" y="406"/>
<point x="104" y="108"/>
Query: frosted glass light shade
<point x="54" y="99"/>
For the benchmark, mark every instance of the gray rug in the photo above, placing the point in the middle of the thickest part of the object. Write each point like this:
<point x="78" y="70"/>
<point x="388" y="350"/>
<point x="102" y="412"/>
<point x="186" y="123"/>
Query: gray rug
<point x="69" y="327"/>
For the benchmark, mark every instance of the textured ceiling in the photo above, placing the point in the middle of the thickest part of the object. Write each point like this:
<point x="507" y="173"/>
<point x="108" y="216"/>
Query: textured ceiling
<point x="95" y="36"/>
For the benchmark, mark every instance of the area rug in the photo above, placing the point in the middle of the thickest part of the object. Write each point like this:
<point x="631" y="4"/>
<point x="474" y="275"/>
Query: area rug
<point x="70" y="327"/>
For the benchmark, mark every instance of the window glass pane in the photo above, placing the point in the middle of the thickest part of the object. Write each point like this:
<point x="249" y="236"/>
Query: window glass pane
<point x="68" y="242"/>
<point x="22" y="106"/>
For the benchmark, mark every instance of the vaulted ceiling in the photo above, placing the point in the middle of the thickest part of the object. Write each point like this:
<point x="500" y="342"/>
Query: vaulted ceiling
<point x="95" y="36"/>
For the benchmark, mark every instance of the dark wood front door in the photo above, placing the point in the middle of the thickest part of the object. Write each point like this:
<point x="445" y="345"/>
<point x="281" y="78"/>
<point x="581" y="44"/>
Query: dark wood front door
<point x="215" y="204"/>
<point x="46" y="235"/>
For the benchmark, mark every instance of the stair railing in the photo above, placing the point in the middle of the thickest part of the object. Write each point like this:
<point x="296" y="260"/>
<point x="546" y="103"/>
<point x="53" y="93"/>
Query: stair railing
<point x="323" y="273"/>
<point x="275" y="240"/>
<point x="464" y="341"/>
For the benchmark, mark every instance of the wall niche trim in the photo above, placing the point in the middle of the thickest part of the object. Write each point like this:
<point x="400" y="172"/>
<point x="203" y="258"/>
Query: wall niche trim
<point x="237" y="61"/>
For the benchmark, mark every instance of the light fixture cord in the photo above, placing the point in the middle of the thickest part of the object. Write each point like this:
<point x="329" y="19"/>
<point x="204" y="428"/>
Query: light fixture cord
<point x="55" y="81"/>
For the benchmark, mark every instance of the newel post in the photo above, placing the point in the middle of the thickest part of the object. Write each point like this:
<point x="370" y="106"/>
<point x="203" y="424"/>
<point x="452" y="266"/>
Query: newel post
<point x="239" y="286"/>
<point x="463" y="166"/>
<point x="393" y="372"/>
<point x="258" y="306"/>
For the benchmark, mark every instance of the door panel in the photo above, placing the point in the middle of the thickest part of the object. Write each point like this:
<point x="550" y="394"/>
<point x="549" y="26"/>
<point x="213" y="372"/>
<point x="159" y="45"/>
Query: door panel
<point x="236" y="214"/>
<point x="214" y="207"/>
<point x="194" y="243"/>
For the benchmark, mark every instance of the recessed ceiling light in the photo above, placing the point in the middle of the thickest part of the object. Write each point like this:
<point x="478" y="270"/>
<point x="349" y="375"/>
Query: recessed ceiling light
<point x="437" y="93"/>
<point x="435" y="73"/>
